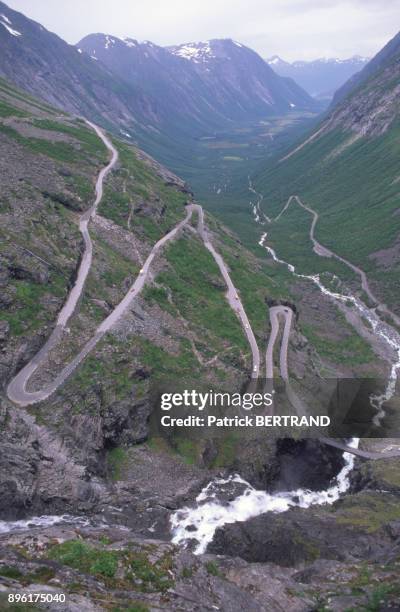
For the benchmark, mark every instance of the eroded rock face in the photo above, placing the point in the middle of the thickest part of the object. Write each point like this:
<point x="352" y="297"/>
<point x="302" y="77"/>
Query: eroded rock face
<point x="38" y="474"/>
<point x="305" y="464"/>
<point x="125" y="421"/>
<point x="301" y="536"/>
<point x="93" y="566"/>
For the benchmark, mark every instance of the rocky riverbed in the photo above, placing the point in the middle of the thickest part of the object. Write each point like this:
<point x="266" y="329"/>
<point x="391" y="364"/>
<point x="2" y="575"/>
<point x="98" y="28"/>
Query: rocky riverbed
<point x="110" y="568"/>
<point x="115" y="551"/>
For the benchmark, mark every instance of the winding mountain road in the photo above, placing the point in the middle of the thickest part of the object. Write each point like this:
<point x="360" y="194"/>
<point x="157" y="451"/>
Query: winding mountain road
<point x="294" y="399"/>
<point x="17" y="389"/>
<point x="323" y="251"/>
<point x="277" y="311"/>
<point x="389" y="454"/>
<point x="232" y="294"/>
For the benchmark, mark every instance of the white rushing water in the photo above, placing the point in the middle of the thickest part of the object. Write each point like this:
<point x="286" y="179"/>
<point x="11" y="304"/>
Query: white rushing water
<point x="43" y="521"/>
<point x="389" y="335"/>
<point x="200" y="522"/>
<point x="259" y="216"/>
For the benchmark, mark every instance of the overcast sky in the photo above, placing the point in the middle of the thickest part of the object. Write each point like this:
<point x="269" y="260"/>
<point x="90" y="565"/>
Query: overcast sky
<point x="293" y="29"/>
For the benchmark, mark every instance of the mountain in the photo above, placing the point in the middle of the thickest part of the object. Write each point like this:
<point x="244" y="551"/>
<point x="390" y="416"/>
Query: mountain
<point x="97" y="422"/>
<point x="142" y="88"/>
<point x="181" y="99"/>
<point x="178" y="325"/>
<point x="93" y="487"/>
<point x="320" y="77"/>
<point x="148" y="94"/>
<point x="202" y="84"/>
<point x="237" y="72"/>
<point x="347" y="170"/>
<point x="379" y="62"/>
<point x="42" y="63"/>
<point x="104" y="534"/>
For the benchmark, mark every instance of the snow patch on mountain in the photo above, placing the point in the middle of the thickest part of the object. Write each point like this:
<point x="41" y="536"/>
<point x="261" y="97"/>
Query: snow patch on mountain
<point x="10" y="30"/>
<point x="272" y="61"/>
<point x="130" y="42"/>
<point x="275" y="60"/>
<point x="195" y="52"/>
<point x="109" y="41"/>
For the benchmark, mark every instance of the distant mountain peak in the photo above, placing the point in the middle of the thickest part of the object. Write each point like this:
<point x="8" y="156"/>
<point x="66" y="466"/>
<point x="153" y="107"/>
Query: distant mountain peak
<point x="196" y="52"/>
<point x="130" y="42"/>
<point x="274" y="60"/>
<point x="319" y="77"/>
<point x="203" y="51"/>
<point x="334" y="60"/>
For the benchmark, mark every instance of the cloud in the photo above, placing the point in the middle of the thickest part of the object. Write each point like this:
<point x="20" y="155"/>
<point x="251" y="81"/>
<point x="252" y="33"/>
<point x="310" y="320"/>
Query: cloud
<point x="295" y="29"/>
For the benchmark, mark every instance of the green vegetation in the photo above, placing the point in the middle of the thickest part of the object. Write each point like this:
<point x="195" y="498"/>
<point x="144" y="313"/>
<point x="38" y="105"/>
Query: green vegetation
<point x="108" y="280"/>
<point x="137" y="188"/>
<point x="41" y="575"/>
<point x="351" y="350"/>
<point x="85" y="558"/>
<point x="151" y="576"/>
<point x="379" y="596"/>
<point x="10" y="572"/>
<point x="86" y="136"/>
<point x="386" y="472"/>
<point x="117" y="271"/>
<point x="116" y="372"/>
<point x="187" y="572"/>
<point x="290" y="237"/>
<point x="227" y="449"/>
<point x="255" y="283"/>
<point x="198" y="292"/>
<point x="354" y="187"/>
<point x="158" y="295"/>
<point x="221" y="184"/>
<point x="116" y="460"/>
<point x="60" y="151"/>
<point x="82" y="186"/>
<point x="30" y="314"/>
<point x="86" y="148"/>
<point x="6" y="110"/>
<point x="133" y="607"/>
<point x="22" y="96"/>
<point x="370" y="511"/>
<point x="212" y="568"/>
<point x="187" y="449"/>
<point x="164" y="365"/>
<point x="135" y="570"/>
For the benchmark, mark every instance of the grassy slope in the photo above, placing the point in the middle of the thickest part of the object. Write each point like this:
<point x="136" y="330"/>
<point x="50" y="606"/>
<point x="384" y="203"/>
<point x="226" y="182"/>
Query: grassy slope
<point x="354" y="190"/>
<point x="188" y="284"/>
<point x="35" y="216"/>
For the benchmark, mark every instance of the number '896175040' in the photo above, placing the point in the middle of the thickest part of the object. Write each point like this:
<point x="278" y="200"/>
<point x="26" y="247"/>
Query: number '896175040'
<point x="36" y="598"/>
